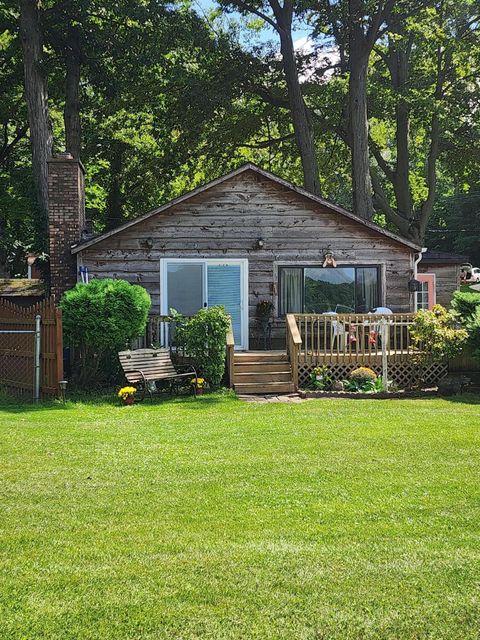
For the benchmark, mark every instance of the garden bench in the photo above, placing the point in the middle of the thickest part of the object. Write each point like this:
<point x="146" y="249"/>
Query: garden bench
<point x="152" y="365"/>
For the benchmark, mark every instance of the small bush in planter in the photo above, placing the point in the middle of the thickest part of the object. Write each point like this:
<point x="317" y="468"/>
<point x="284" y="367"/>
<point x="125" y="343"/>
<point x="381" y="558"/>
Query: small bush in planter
<point x="363" y="380"/>
<point x="320" y="379"/>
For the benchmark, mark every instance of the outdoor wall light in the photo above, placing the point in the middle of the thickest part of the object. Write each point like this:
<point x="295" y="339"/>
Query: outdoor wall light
<point x="260" y="243"/>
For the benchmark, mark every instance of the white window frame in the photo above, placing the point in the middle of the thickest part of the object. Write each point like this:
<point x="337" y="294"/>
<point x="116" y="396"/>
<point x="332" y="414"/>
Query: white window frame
<point x="243" y="262"/>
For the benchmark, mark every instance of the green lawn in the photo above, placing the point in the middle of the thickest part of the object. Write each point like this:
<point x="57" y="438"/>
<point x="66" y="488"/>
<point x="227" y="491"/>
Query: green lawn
<point x="219" y="519"/>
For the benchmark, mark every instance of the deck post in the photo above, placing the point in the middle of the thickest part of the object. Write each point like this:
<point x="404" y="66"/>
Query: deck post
<point x="385" y="340"/>
<point x="230" y="353"/>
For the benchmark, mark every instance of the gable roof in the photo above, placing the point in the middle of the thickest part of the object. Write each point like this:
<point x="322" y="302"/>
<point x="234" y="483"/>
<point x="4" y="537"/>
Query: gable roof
<point x="243" y="169"/>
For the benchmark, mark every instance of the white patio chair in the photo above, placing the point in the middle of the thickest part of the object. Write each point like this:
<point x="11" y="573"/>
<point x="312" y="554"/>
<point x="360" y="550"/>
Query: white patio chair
<point x="337" y="330"/>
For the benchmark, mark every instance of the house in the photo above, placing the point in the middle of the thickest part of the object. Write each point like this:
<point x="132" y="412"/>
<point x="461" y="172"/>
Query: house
<point x="244" y="238"/>
<point x="439" y="273"/>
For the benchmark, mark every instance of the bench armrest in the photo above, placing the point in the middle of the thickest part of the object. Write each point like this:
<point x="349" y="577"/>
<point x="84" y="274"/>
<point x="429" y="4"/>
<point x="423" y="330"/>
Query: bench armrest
<point x="187" y="367"/>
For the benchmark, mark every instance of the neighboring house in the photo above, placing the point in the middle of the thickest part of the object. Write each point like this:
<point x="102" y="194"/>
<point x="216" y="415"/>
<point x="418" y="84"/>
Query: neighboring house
<point x="246" y="237"/>
<point x="439" y="273"/>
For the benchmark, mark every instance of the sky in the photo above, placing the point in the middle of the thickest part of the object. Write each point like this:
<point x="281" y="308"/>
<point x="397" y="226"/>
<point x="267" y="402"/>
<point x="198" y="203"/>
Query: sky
<point x="300" y="32"/>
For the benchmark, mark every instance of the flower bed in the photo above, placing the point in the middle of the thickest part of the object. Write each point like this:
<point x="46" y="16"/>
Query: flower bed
<point x="379" y="395"/>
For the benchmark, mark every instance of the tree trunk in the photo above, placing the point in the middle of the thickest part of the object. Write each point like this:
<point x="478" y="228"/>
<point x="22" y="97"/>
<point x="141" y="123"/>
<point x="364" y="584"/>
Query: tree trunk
<point x="359" y="49"/>
<point x="362" y="188"/>
<point x="36" y="94"/>
<point x="71" y="114"/>
<point x="301" y="121"/>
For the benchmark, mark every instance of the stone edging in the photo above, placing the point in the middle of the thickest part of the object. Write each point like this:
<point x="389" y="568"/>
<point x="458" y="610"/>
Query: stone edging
<point x="380" y="395"/>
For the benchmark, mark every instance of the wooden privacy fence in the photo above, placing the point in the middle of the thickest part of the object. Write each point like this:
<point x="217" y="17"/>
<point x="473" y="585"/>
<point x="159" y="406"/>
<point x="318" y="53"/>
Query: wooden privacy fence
<point x="20" y="364"/>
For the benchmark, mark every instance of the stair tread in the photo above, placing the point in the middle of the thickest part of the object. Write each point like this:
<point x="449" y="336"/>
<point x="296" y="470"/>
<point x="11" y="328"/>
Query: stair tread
<point x="264" y="385"/>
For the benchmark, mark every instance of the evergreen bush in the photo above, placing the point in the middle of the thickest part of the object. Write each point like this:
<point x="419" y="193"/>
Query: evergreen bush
<point x="100" y="319"/>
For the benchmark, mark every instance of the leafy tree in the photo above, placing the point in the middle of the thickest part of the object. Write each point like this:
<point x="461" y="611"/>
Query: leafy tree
<point x="280" y="17"/>
<point x="455" y="224"/>
<point x="426" y="62"/>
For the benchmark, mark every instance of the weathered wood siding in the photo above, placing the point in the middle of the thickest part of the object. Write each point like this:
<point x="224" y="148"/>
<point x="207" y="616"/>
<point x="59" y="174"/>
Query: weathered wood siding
<point x="447" y="277"/>
<point x="226" y="221"/>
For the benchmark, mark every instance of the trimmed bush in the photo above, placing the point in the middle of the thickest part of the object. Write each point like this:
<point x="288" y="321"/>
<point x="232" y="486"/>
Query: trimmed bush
<point x="363" y="374"/>
<point x="100" y="319"/>
<point x="465" y="305"/>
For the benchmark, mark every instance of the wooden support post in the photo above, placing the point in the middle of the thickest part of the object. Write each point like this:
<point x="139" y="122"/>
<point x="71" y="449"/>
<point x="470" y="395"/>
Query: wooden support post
<point x="385" y="338"/>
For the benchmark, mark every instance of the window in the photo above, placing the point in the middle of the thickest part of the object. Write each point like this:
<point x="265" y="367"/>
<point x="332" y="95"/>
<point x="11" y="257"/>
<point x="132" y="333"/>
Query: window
<point x="317" y="289"/>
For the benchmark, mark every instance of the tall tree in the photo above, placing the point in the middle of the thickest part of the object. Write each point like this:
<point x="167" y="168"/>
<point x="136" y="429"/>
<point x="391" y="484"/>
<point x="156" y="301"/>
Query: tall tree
<point x="36" y="94"/>
<point x="280" y="18"/>
<point x="427" y="69"/>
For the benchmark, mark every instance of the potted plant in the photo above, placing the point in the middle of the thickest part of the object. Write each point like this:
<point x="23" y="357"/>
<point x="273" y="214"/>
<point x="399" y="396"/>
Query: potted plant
<point x="200" y="385"/>
<point x="127" y="395"/>
<point x="320" y="378"/>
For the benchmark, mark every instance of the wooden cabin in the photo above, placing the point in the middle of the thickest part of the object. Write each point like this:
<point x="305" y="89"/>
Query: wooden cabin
<point x="246" y="238"/>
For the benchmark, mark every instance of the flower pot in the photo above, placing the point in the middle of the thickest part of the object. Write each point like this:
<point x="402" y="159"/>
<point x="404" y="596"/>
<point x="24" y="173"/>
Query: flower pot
<point x="200" y="391"/>
<point x="129" y="400"/>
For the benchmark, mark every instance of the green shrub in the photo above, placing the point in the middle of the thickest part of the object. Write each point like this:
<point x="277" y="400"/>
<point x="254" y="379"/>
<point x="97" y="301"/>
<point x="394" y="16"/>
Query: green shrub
<point x="320" y="378"/>
<point x="466" y="307"/>
<point x="363" y="374"/>
<point x="203" y="337"/>
<point x="436" y="336"/>
<point x="100" y="319"/>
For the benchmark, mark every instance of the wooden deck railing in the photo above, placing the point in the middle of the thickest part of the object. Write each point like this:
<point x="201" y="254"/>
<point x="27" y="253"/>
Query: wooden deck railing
<point x="159" y="332"/>
<point x="294" y="346"/>
<point x="346" y="338"/>
<point x="230" y="353"/>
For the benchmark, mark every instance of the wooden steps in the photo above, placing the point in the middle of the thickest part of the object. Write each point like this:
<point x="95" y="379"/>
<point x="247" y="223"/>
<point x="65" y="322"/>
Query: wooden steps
<point x="262" y="372"/>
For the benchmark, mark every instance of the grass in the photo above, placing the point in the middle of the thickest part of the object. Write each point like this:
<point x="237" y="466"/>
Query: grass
<point x="218" y="519"/>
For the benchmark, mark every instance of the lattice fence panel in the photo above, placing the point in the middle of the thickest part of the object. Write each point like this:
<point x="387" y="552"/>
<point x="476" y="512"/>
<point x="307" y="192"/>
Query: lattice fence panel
<point x="403" y="374"/>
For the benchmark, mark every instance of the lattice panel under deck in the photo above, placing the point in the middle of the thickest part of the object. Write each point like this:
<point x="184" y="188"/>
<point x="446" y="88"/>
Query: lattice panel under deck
<point x="402" y="373"/>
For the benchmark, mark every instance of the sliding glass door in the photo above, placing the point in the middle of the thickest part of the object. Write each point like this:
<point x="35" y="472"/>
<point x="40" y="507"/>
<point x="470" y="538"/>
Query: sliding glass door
<point x="189" y="285"/>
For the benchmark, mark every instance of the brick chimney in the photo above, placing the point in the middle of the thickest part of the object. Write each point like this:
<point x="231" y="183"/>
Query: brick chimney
<point x="66" y="219"/>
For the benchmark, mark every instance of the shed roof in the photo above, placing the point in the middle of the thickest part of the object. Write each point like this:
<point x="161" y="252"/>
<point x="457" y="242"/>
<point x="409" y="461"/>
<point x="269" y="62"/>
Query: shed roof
<point x="443" y="257"/>
<point x="21" y="287"/>
<point x="241" y="170"/>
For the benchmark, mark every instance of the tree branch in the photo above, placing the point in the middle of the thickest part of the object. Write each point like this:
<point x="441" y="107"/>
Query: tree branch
<point x="265" y="144"/>
<point x="245" y="6"/>
<point x="382" y="163"/>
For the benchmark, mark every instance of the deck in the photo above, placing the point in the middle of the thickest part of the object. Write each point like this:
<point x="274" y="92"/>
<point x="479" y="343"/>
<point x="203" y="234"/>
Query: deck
<point x="340" y="341"/>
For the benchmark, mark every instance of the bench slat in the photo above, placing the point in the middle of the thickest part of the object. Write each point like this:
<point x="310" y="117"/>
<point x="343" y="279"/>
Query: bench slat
<point x="155" y="364"/>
